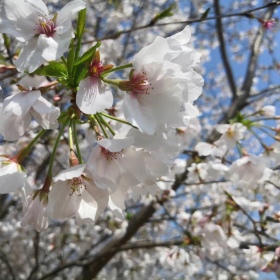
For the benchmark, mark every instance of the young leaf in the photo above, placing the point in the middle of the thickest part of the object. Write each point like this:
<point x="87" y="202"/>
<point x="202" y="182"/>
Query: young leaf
<point x="88" y="55"/>
<point x="205" y="14"/>
<point x="81" y="72"/>
<point x="79" y="31"/>
<point x="81" y="23"/>
<point x="53" y="69"/>
<point x="165" y="13"/>
<point x="70" y="61"/>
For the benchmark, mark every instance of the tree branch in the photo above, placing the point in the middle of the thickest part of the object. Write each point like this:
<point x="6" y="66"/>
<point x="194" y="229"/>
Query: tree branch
<point x="220" y="31"/>
<point x="239" y="103"/>
<point x="10" y="269"/>
<point x="190" y="21"/>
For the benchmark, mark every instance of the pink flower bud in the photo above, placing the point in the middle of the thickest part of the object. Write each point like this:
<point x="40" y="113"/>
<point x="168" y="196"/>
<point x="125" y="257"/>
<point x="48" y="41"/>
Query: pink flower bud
<point x="267" y="24"/>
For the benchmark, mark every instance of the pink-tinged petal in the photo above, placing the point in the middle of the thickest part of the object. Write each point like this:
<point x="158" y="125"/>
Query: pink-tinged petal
<point x="106" y="172"/>
<point x="21" y="103"/>
<point x="10" y="178"/>
<point x="48" y="47"/>
<point x="70" y="173"/>
<point x="30" y="57"/>
<point x="62" y="203"/>
<point x="116" y="145"/>
<point x="34" y="214"/>
<point x="65" y="14"/>
<point x="93" y="96"/>
<point x="12" y="126"/>
<point x="45" y="113"/>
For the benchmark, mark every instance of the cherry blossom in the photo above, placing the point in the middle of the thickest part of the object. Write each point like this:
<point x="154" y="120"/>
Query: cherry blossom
<point x="93" y="95"/>
<point x="75" y="193"/>
<point x="17" y="112"/>
<point x="247" y="170"/>
<point x="159" y="79"/>
<point x="33" y="213"/>
<point x="165" y="181"/>
<point x="231" y="133"/>
<point x="45" y="38"/>
<point x="12" y="176"/>
<point x="113" y="161"/>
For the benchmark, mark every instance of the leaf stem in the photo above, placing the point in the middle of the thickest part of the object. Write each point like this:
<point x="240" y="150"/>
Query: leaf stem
<point x="105" y="73"/>
<point x="117" y="119"/>
<point x="56" y="146"/>
<point x="77" y="143"/>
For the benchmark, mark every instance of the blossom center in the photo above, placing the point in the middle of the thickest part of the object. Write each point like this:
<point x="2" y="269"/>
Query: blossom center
<point x="77" y="186"/>
<point x="47" y="27"/>
<point x="110" y="155"/>
<point x="138" y="84"/>
<point x="96" y="68"/>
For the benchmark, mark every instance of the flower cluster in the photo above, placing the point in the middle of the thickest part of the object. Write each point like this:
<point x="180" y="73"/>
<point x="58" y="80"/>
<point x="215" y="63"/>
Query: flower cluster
<point x="129" y="151"/>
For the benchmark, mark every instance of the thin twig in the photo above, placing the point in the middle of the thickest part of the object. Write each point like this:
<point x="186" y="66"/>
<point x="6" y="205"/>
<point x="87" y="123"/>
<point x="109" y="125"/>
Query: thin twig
<point x="224" y="55"/>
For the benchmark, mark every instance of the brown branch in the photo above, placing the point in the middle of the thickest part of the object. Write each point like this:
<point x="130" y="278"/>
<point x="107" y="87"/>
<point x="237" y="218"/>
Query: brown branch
<point x="241" y="101"/>
<point x="190" y="21"/>
<point x="6" y="261"/>
<point x="224" y="56"/>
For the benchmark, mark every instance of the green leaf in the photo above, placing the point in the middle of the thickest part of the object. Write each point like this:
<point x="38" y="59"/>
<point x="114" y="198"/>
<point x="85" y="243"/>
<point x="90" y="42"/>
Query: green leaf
<point x="70" y="62"/>
<point x="7" y="41"/>
<point x="53" y="69"/>
<point x="80" y="73"/>
<point x="81" y="65"/>
<point x="164" y="14"/>
<point x="88" y="55"/>
<point x="63" y="117"/>
<point x="81" y="23"/>
<point x="79" y="31"/>
<point x="205" y="14"/>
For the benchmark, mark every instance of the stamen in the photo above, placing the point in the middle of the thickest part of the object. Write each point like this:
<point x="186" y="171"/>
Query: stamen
<point x="47" y="27"/>
<point x="96" y="67"/>
<point x="139" y="84"/>
<point x="110" y="155"/>
<point x="77" y="186"/>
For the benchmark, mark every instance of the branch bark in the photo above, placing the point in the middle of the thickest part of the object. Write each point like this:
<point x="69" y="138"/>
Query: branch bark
<point x="223" y="51"/>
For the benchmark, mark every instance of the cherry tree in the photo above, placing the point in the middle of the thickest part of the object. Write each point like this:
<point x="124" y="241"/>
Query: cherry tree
<point x="139" y="139"/>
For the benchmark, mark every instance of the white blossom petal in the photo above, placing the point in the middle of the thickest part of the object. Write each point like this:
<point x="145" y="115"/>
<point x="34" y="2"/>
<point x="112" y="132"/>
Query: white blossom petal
<point x="21" y="103"/>
<point x="10" y="178"/>
<point x="65" y="14"/>
<point x="45" y="113"/>
<point x="48" y="46"/>
<point x="12" y="126"/>
<point x="30" y="57"/>
<point x="70" y="173"/>
<point x="63" y="203"/>
<point x="93" y="96"/>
